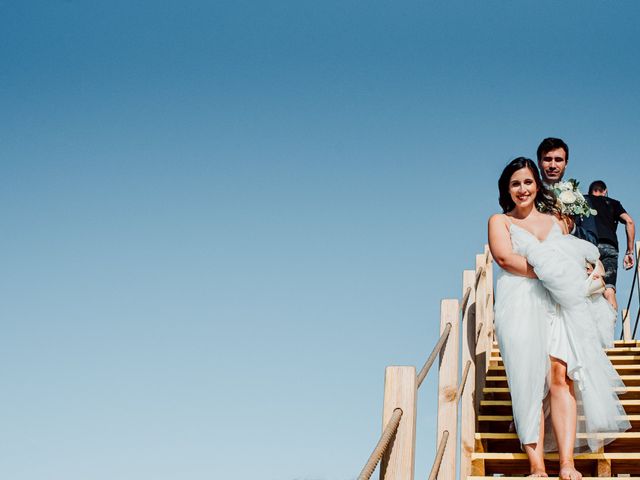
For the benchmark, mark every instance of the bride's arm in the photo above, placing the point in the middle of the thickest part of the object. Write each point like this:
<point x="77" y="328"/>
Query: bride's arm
<point x="503" y="254"/>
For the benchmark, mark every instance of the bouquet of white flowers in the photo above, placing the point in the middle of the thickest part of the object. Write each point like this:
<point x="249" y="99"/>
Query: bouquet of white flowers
<point x="569" y="200"/>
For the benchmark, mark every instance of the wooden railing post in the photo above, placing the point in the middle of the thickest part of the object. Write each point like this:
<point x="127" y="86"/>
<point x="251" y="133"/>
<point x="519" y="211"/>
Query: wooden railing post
<point x="448" y="386"/>
<point x="489" y="291"/>
<point x="400" y="392"/>
<point x="626" y="325"/>
<point x="483" y="347"/>
<point x="468" y="415"/>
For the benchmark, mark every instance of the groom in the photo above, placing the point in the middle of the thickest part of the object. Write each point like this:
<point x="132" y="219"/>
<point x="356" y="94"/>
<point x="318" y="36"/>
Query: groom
<point x="553" y="157"/>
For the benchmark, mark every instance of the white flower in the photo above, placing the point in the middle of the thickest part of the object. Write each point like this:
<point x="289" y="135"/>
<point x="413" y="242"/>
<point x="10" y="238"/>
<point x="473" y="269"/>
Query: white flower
<point x="567" y="196"/>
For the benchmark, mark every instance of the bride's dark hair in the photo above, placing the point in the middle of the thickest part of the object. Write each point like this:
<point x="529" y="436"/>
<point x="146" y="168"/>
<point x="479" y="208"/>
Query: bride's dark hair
<point x="544" y="201"/>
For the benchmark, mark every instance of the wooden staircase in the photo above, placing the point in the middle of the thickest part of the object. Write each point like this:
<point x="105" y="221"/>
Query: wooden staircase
<point x="497" y="449"/>
<point x="475" y="435"/>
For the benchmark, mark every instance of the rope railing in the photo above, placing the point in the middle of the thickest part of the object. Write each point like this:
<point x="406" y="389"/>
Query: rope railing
<point x="395" y="449"/>
<point x="465" y="299"/>
<point x="479" y="331"/>
<point x="435" y="469"/>
<point x="434" y="353"/>
<point x="463" y="382"/>
<point x="635" y="277"/>
<point x="634" y="282"/>
<point x="478" y="276"/>
<point x="394" y="422"/>
<point x="482" y="270"/>
<point x="381" y="447"/>
<point x="633" y="335"/>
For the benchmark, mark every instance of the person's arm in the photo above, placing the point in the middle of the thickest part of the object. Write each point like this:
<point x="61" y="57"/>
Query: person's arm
<point x="630" y="229"/>
<point x="503" y="254"/>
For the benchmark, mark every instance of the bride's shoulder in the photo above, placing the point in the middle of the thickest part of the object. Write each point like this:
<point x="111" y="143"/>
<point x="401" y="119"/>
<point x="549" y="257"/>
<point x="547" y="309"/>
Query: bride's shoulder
<point x="499" y="220"/>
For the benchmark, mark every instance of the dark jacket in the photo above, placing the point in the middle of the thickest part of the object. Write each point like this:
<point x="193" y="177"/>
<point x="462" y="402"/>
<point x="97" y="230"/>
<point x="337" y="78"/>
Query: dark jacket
<point x="586" y="227"/>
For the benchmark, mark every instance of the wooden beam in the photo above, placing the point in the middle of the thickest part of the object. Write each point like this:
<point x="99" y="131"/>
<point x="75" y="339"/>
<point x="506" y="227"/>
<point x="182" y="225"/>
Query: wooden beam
<point x="468" y="421"/>
<point x="400" y="392"/>
<point x="483" y="347"/>
<point x="554" y="456"/>
<point x="626" y="325"/>
<point x="448" y="386"/>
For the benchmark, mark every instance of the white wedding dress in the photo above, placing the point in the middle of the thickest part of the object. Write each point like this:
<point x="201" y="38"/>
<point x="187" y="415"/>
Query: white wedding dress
<point x="552" y="316"/>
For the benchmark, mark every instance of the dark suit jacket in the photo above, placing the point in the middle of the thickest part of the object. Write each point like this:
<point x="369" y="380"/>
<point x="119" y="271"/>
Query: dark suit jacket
<point x="586" y="228"/>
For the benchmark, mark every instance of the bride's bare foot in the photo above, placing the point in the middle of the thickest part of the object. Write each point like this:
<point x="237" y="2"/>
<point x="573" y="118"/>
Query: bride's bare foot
<point x="569" y="472"/>
<point x="538" y="473"/>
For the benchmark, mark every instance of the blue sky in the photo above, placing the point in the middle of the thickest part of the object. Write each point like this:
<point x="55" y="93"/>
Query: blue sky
<point x="222" y="220"/>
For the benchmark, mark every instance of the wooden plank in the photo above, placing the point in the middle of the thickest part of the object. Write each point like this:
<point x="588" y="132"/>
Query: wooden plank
<point x="496" y="352"/>
<point x="489" y="390"/>
<point x="507" y="403"/>
<point x="448" y="386"/>
<point x="514" y="436"/>
<point x="483" y="346"/>
<point x="619" y="368"/>
<point x="623" y="349"/>
<point x="612" y="358"/>
<point x="489" y="294"/>
<point x="400" y="392"/>
<point x="554" y="456"/>
<point x="483" y="350"/>
<point x="509" y="418"/>
<point x="503" y="378"/>
<point x="468" y="422"/>
<point x="628" y="343"/>
<point x="626" y="325"/>
<point x="473" y="477"/>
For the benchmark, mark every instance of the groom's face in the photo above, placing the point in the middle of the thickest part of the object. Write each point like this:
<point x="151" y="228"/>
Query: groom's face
<point x="552" y="165"/>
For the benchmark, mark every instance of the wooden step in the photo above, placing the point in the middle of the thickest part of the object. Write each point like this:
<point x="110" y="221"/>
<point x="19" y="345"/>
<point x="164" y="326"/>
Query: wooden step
<point x="508" y="403"/>
<point x="504" y="423"/>
<point x="503" y="407"/>
<point x="499" y="369"/>
<point x="629" y="380"/>
<point x="610" y="351"/>
<point x="554" y="456"/>
<point x="508" y="436"/>
<point x="504" y="392"/>
<point x="550" y="478"/>
<point x="516" y="463"/>
<point x="509" y="442"/>
<point x="615" y="359"/>
<point x="509" y="418"/>
<point x="616" y="343"/>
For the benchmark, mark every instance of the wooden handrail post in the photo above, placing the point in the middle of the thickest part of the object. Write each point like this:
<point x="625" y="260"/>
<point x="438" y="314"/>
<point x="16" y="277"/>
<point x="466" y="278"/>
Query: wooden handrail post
<point x="626" y="325"/>
<point x="483" y="347"/>
<point x="400" y="392"/>
<point x="448" y="386"/>
<point x="489" y="292"/>
<point x="468" y="415"/>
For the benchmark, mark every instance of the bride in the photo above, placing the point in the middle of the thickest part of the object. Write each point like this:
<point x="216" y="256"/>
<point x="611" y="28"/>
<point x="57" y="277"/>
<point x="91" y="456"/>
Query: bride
<point x="547" y="328"/>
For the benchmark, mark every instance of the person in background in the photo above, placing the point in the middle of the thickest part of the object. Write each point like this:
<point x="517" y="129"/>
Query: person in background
<point x="610" y="213"/>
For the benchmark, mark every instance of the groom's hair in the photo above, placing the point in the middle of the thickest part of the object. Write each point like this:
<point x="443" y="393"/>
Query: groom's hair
<point x="544" y="198"/>
<point x="551" y="143"/>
